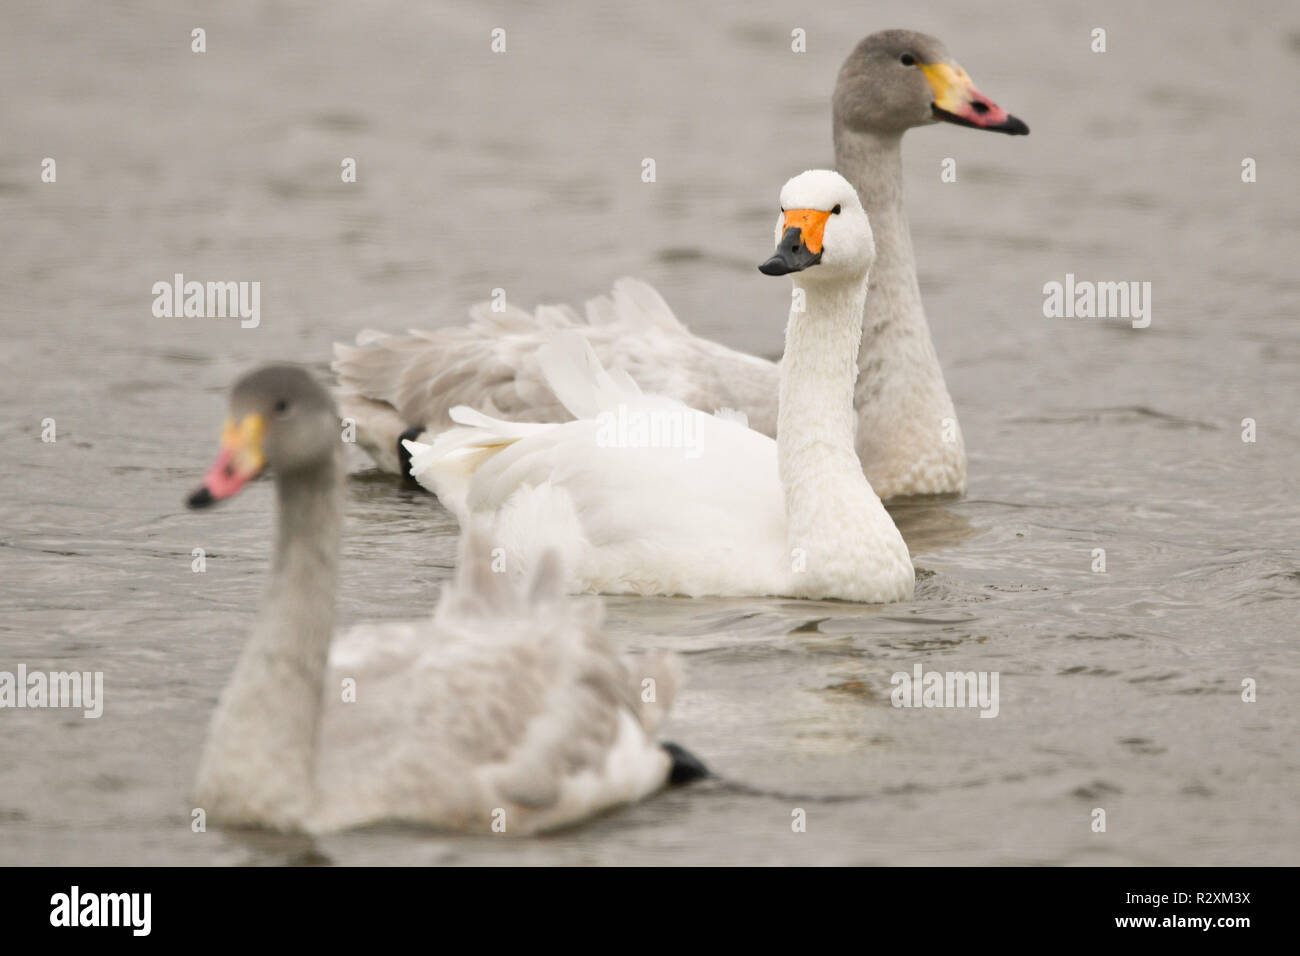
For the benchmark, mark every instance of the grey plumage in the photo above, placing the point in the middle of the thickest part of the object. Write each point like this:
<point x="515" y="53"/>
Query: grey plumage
<point x="507" y="703"/>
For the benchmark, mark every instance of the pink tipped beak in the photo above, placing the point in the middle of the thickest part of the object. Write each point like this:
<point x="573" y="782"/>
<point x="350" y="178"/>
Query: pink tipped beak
<point x="956" y="100"/>
<point x="239" y="460"/>
<point x="223" y="478"/>
<point x="981" y="112"/>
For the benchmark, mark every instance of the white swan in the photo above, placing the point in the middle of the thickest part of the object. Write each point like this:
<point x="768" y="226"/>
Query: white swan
<point x="506" y="707"/>
<point x="907" y="434"/>
<point x="646" y="495"/>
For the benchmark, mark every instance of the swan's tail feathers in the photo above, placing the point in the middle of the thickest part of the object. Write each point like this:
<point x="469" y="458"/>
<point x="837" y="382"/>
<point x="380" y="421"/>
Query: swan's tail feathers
<point x="480" y="590"/>
<point x="417" y="378"/>
<point x="635" y="303"/>
<point x="686" y="767"/>
<point x="496" y="429"/>
<point x="624" y="381"/>
<point x="574" y="373"/>
<point x="501" y="318"/>
<point x="489" y="363"/>
<point x="372" y="367"/>
<point x="494" y="579"/>
<point x="413" y="436"/>
<point x="369" y="376"/>
<point x="732" y="415"/>
<point x="378" y="427"/>
<point x="631" y="302"/>
<point x="447" y="466"/>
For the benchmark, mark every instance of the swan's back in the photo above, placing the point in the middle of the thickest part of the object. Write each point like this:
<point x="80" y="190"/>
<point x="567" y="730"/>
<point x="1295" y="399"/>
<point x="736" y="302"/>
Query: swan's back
<point x="506" y="706"/>
<point x="388" y="383"/>
<point x="634" y="517"/>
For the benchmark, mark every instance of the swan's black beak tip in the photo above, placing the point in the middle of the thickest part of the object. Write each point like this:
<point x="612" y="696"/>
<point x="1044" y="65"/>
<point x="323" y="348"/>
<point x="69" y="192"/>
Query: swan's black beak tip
<point x="775" y="267"/>
<point x="792" y="255"/>
<point x="1014" y="126"/>
<point x="201" y="498"/>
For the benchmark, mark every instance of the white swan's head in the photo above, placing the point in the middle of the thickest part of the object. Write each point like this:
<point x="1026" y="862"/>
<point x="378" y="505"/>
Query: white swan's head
<point x="897" y="79"/>
<point x="822" y="228"/>
<point x="280" y="418"/>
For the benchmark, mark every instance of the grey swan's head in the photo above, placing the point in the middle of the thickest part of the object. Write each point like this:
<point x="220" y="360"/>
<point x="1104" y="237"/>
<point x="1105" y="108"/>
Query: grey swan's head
<point x="280" y="419"/>
<point x="897" y="79"/>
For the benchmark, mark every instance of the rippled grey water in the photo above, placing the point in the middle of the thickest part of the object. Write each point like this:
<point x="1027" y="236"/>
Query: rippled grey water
<point x="1119" y="690"/>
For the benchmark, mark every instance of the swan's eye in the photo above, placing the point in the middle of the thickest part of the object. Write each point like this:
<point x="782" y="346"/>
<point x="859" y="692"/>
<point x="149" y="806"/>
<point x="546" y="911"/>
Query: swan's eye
<point x="907" y="59"/>
<point x="281" y="406"/>
<point x="836" y="210"/>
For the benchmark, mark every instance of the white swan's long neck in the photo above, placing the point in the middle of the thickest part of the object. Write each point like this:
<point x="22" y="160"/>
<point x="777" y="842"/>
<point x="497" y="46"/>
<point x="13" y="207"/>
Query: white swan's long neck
<point x="842" y="541"/>
<point x="907" y="436"/>
<point x="815" y="423"/>
<point x="260" y="758"/>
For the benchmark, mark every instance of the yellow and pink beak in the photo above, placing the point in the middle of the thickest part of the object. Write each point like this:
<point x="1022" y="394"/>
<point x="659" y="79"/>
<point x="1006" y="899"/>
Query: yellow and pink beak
<point x="956" y="100"/>
<point x="239" y="460"/>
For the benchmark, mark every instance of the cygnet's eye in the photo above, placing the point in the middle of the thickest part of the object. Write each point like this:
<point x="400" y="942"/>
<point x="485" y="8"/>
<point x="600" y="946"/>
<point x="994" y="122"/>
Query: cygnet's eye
<point x="281" y="406"/>
<point x="907" y="59"/>
<point x="836" y="210"/>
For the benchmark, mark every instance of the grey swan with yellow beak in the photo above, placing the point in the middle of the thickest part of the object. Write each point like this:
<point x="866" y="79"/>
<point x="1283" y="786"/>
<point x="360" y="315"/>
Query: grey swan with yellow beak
<point x="907" y="439"/>
<point x="504" y="711"/>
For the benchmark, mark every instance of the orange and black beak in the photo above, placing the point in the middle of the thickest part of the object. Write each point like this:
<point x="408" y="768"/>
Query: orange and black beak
<point x="800" y="245"/>
<point x="957" y="101"/>
<point x="239" y="460"/>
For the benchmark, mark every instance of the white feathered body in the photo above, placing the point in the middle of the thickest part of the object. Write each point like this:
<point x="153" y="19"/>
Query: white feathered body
<point x="634" y="520"/>
<point x="707" y="517"/>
